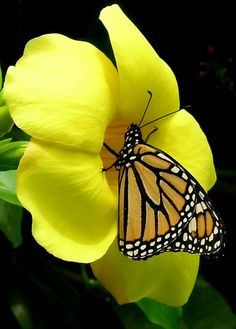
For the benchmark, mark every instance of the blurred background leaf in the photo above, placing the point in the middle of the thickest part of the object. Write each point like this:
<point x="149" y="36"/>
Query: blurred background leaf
<point x="6" y="122"/>
<point x="132" y="317"/>
<point x="11" y="153"/>
<point x="207" y="308"/>
<point x="10" y="222"/>
<point x="8" y="187"/>
<point x="166" y="316"/>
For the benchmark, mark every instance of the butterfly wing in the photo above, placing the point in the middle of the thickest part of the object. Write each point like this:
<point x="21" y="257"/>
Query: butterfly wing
<point x="157" y="201"/>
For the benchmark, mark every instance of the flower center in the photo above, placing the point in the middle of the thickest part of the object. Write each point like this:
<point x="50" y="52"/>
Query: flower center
<point x="114" y="138"/>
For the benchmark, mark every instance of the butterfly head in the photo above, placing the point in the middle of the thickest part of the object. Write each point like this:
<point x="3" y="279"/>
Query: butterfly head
<point x="133" y="135"/>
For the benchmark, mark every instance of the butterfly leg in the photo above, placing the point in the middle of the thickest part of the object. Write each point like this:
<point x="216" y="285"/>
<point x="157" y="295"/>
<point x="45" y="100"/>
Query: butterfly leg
<point x="110" y="149"/>
<point x="112" y="152"/>
<point x="107" y="168"/>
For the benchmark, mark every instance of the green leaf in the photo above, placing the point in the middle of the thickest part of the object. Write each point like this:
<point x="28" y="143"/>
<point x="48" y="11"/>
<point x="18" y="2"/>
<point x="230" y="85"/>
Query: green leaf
<point x="132" y="317"/>
<point x="8" y="187"/>
<point x="10" y="222"/>
<point x="11" y="153"/>
<point x="6" y="122"/>
<point x="207" y="309"/>
<point x="5" y="141"/>
<point x="17" y="134"/>
<point x="166" y="316"/>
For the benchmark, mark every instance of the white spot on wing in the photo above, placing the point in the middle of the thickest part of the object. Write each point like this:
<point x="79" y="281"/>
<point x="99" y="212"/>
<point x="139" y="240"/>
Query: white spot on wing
<point x="175" y="169"/>
<point x="192" y="227"/>
<point x="163" y="156"/>
<point x="190" y="189"/>
<point x="185" y="236"/>
<point x="198" y="208"/>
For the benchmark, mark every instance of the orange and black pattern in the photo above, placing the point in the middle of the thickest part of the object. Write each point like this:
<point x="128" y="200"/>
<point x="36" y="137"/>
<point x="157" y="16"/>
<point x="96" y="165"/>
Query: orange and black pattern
<point x="161" y="206"/>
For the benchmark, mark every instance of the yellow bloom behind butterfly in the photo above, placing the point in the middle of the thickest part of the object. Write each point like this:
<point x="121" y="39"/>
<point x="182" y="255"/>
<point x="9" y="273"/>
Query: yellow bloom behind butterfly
<point x="68" y="96"/>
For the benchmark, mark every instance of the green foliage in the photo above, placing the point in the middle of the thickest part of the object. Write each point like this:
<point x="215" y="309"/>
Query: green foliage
<point x="6" y="122"/>
<point x="149" y="314"/>
<point x="11" y="153"/>
<point x="132" y="317"/>
<point x="208" y="309"/>
<point x="8" y="187"/>
<point x="10" y="222"/>
<point x="163" y="315"/>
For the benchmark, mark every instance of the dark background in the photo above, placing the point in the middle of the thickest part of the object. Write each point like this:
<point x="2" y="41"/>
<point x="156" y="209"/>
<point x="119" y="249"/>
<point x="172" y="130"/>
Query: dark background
<point x="198" y="43"/>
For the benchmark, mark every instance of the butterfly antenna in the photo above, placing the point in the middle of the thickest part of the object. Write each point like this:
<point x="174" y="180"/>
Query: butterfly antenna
<point x="144" y="113"/>
<point x="166" y="115"/>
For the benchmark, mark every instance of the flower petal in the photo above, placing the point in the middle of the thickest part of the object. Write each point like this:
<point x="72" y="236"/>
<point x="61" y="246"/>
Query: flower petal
<point x="168" y="278"/>
<point x="63" y="90"/>
<point x="74" y="212"/>
<point x="181" y="136"/>
<point x="140" y="69"/>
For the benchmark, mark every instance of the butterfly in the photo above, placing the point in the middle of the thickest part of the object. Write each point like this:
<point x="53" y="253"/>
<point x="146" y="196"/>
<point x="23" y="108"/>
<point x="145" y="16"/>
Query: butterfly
<point x="162" y="207"/>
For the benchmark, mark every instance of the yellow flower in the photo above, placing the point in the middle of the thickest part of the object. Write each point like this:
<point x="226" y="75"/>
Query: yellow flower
<point x="68" y="95"/>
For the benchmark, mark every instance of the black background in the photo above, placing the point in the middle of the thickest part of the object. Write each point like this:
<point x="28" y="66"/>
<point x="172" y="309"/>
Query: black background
<point x="199" y="45"/>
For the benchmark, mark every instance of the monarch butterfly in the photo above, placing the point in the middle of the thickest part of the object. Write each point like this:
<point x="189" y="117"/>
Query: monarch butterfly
<point x="161" y="205"/>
